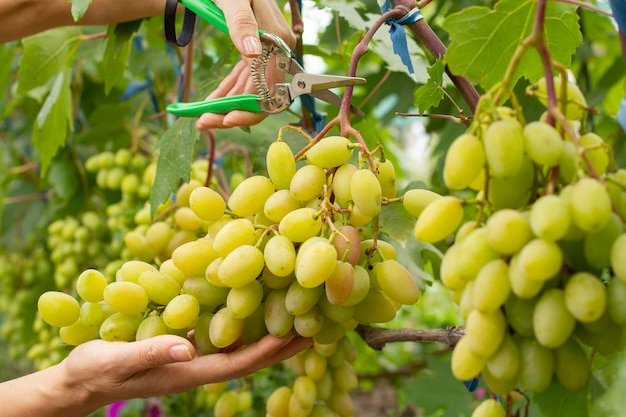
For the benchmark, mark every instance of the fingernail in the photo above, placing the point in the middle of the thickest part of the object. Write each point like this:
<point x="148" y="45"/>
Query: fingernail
<point x="181" y="353"/>
<point x="252" y="46"/>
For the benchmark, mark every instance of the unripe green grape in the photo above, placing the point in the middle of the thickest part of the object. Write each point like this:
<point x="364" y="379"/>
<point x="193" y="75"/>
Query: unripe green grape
<point x="585" y="297"/>
<point x="201" y="334"/>
<point x="366" y="192"/>
<point x="345" y="377"/>
<point x="416" y="200"/>
<point x="178" y="239"/>
<point x="310" y="323"/>
<point x="300" y="224"/>
<point x="160" y="287"/>
<point x="550" y="217"/>
<point x="227" y="404"/>
<point x="207" y="294"/>
<point x="315" y="263"/>
<point x="307" y="183"/>
<point x="296" y="409"/>
<point x="77" y="333"/>
<point x="305" y="390"/>
<point x="465" y="363"/>
<point x="519" y="313"/>
<point x="151" y="326"/>
<point x="347" y="242"/>
<point x="508" y="231"/>
<point x="341" y="184"/>
<point x="449" y="271"/>
<point x="278" y="402"/>
<point x="616" y="185"/>
<point x="439" y="219"/>
<point x="485" y="332"/>
<point x="280" y="164"/>
<point x="341" y="403"/>
<point x="465" y="159"/>
<point x="186" y="219"/>
<point x="158" y="236"/>
<point x="243" y="301"/>
<point x="552" y="322"/>
<point x="339" y="314"/>
<point x="331" y="151"/>
<point x="114" y="178"/>
<point x="138" y="246"/>
<point x="492" y="286"/>
<point x="386" y="174"/>
<point x="120" y="326"/>
<point x="249" y="197"/>
<point x="382" y="251"/>
<point x="616" y="294"/>
<point x="489" y="408"/>
<point x="315" y="365"/>
<point x="181" y="312"/>
<point x="280" y="255"/>
<point x="514" y="191"/>
<point x="595" y="152"/>
<point x="278" y="320"/>
<point x="274" y="281"/>
<point x="126" y="297"/>
<point x="540" y="259"/>
<point x="590" y="205"/>
<point x="130" y="184"/>
<point x="233" y="234"/>
<point x="597" y="245"/>
<point x="192" y="258"/>
<point x="225" y="328"/>
<point x="543" y="143"/>
<point x="536" y="365"/>
<point x="475" y="253"/>
<point x="618" y="260"/>
<point x="568" y="162"/>
<point x="91" y="314"/>
<point x="360" y="286"/>
<point x="374" y="308"/>
<point x="242" y="266"/>
<point x="504" y="148"/>
<point x="499" y="386"/>
<point x="396" y="282"/>
<point x="571" y="366"/>
<point x="279" y="204"/>
<point x="504" y="363"/>
<point x="90" y="285"/>
<point x="207" y="204"/>
<point x="574" y="104"/>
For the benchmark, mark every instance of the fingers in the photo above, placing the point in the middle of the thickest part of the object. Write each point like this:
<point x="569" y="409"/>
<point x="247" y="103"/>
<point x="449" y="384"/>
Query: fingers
<point x="243" y="26"/>
<point x="154" y="352"/>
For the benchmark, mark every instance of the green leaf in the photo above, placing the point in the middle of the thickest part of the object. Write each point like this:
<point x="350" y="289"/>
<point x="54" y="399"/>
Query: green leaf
<point x="556" y="401"/>
<point x="53" y="122"/>
<point x="79" y="7"/>
<point x="6" y="57"/>
<point x="430" y="94"/>
<point x="483" y="41"/>
<point x="117" y="51"/>
<point x="175" y="155"/>
<point x="63" y="178"/>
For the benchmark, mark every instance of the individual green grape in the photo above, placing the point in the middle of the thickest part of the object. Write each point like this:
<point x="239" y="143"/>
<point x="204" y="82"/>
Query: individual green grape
<point x="280" y="255"/>
<point x="540" y="259"/>
<point x="519" y="314"/>
<point x="77" y="333"/>
<point x="396" y="282"/>
<point x="120" y="326"/>
<point x="207" y="204"/>
<point x="160" y="287"/>
<point x="340" y="284"/>
<point x="315" y="365"/>
<point x="386" y="174"/>
<point x="465" y="363"/>
<point x="151" y="326"/>
<point x="597" y="246"/>
<point x="331" y="151"/>
<point x="341" y="184"/>
<point x="309" y="323"/>
<point x="315" y="263"/>
<point x="278" y="320"/>
<point x="296" y="409"/>
<point x="178" y="239"/>
<point x="181" y="312"/>
<point x="543" y="143"/>
<point x="336" y="313"/>
<point x="92" y="314"/>
<point x="186" y="219"/>
<point x="585" y="297"/>
<point x="504" y="363"/>
<point x="227" y="404"/>
<point x="126" y="297"/>
<point x="489" y="408"/>
<point x="521" y="285"/>
<point x="249" y="197"/>
<point x="242" y="266"/>
<point x="514" y="191"/>
<point x="243" y="301"/>
<point x="504" y="148"/>
<point x="281" y="166"/>
<point x="278" y="402"/>
<point x="373" y="251"/>
<point x="590" y="205"/>
<point x="347" y="243"/>
<point x="136" y="243"/>
<point x="571" y="366"/>
<point x="305" y="389"/>
<point x="308" y="183"/>
<point x="417" y="199"/>
<point x="492" y="286"/>
<point x="233" y="234"/>
<point x="360" y="286"/>
<point x="571" y="101"/>
<point x="201" y="334"/>
<point x="207" y="294"/>
<point x="366" y="192"/>
<point x="595" y="152"/>
<point x="345" y="377"/>
<point x="341" y="403"/>
<point x="274" y="281"/>
<point x="449" y="270"/>
<point x="300" y="224"/>
<point x="90" y="285"/>
<point x="499" y="386"/>
<point x="158" y="235"/>
<point x="485" y="332"/>
<point x="466" y="301"/>
<point x="279" y="204"/>
<point x="549" y="217"/>
<point x="374" y="308"/>
<point x="299" y="299"/>
<point x="568" y="162"/>
<point x="439" y="219"/>
<point x="508" y="231"/>
<point x="192" y="258"/>
<point x="616" y="294"/>
<point x="618" y="261"/>
<point x="475" y="253"/>
<point x="225" y="328"/>
<point x="552" y="322"/>
<point x="536" y="365"/>
<point x="464" y="160"/>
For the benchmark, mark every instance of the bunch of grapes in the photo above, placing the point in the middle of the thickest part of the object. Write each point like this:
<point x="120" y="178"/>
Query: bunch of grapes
<point x="539" y="272"/>
<point x="228" y="399"/>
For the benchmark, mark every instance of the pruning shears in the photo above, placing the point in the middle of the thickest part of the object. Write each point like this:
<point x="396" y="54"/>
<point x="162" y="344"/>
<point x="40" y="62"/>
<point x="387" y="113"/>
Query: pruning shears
<point x="316" y="85"/>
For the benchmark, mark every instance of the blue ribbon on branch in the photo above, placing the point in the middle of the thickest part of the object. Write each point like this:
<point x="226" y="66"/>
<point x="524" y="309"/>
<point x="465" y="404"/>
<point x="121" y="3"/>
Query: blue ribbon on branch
<point x="398" y="34"/>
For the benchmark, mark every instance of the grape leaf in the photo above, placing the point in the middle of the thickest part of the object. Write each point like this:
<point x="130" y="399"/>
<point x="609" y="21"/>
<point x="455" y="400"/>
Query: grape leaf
<point x="79" y="7"/>
<point x="63" y="178"/>
<point x="556" y="401"/>
<point x="483" y="41"/>
<point x="117" y="51"/>
<point x="430" y="94"/>
<point x="176" y="150"/>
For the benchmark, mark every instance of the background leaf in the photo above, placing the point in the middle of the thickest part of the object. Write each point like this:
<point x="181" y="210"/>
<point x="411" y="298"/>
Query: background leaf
<point x="556" y="401"/>
<point x="79" y="7"/>
<point x="118" y="47"/>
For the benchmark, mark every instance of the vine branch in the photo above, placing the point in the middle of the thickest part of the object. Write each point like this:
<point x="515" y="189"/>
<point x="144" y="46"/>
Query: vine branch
<point x="377" y="337"/>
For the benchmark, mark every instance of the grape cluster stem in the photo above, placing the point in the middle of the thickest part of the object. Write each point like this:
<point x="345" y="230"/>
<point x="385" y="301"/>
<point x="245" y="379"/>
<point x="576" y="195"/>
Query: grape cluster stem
<point x="377" y="337"/>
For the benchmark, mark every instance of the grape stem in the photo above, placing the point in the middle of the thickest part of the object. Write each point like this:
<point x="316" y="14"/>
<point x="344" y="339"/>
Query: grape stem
<point x="377" y="337"/>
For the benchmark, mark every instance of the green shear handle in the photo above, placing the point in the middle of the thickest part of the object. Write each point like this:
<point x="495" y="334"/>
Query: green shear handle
<point x="223" y="105"/>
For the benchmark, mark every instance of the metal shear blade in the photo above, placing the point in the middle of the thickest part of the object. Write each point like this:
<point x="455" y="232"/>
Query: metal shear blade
<point x="318" y="86"/>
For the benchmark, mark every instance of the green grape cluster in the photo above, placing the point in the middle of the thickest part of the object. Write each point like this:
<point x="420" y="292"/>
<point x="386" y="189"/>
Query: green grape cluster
<point x="324" y="379"/>
<point x="539" y="272"/>
<point x="228" y="399"/>
<point x="122" y="170"/>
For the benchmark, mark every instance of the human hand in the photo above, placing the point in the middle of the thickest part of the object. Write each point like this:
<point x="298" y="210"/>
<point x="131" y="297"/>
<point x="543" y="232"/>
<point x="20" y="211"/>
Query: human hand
<point x="244" y="18"/>
<point x="105" y="372"/>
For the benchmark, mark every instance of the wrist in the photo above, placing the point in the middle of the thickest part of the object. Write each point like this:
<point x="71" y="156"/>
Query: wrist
<point x="69" y="395"/>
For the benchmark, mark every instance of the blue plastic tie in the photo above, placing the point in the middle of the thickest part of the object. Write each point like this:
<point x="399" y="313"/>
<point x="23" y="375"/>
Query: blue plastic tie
<point x="398" y="34"/>
<point x="618" y="7"/>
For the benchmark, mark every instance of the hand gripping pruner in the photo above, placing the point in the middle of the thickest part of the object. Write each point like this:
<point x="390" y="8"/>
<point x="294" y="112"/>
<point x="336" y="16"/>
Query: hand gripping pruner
<point x="284" y="93"/>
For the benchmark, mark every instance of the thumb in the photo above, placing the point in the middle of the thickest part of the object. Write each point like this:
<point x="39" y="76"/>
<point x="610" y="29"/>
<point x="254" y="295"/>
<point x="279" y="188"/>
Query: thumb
<point x="157" y="351"/>
<point x="242" y="26"/>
